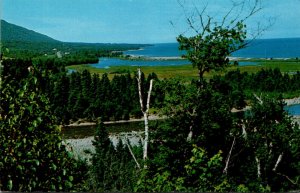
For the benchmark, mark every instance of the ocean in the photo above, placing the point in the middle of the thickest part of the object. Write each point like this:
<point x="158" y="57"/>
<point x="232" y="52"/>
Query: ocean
<point x="260" y="48"/>
<point x="263" y="48"/>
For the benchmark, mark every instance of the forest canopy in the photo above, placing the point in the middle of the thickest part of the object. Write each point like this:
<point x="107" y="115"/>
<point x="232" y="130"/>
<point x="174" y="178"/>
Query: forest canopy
<point x="225" y="133"/>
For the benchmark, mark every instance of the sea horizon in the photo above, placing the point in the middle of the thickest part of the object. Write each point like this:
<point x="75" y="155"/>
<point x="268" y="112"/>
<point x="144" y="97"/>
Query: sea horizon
<point x="257" y="48"/>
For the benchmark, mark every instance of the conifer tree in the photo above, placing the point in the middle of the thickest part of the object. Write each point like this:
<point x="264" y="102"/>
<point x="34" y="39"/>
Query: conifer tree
<point x="101" y="159"/>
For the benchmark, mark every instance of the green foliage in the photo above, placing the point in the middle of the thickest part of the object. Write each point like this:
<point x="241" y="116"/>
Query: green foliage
<point x="209" y="50"/>
<point x="203" y="117"/>
<point x="201" y="174"/>
<point x="11" y="32"/>
<point x="265" y="80"/>
<point x="32" y="155"/>
<point x="82" y="95"/>
<point x="101" y="161"/>
<point x="270" y="134"/>
<point x="113" y="169"/>
<point x="205" y="171"/>
<point x="160" y="182"/>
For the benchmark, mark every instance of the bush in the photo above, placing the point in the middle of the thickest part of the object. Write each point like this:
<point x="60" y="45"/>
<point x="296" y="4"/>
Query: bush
<point x="32" y="156"/>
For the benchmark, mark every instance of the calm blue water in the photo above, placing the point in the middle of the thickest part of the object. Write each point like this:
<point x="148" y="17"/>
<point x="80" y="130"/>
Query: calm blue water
<point x="271" y="48"/>
<point x="158" y="50"/>
<point x="293" y="109"/>
<point x="264" y="48"/>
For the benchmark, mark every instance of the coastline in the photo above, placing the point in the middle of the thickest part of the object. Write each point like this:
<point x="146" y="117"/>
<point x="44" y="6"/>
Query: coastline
<point x="231" y="58"/>
<point x="141" y="57"/>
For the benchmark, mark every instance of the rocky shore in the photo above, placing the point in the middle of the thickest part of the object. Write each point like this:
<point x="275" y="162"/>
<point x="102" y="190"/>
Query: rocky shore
<point x="292" y="101"/>
<point x="82" y="147"/>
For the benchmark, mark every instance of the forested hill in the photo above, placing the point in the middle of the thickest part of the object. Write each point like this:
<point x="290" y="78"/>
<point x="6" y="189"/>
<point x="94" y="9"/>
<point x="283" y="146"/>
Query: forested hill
<point x="11" y="32"/>
<point x="24" y="43"/>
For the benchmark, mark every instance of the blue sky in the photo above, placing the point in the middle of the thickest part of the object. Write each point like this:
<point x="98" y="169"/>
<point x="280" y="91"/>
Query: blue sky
<point x="135" y="21"/>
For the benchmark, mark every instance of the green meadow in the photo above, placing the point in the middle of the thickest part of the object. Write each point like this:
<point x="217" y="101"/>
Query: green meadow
<point x="188" y="72"/>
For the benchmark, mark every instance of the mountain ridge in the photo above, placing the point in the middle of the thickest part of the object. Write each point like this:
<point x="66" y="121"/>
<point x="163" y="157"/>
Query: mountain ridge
<point x="11" y="32"/>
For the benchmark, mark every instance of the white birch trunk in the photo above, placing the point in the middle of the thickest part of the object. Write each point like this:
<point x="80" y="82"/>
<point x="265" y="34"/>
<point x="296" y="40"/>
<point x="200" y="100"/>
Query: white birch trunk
<point x="146" y="139"/>
<point x="132" y="154"/>
<point x="258" y="167"/>
<point x="277" y="162"/>
<point x="145" y="113"/>
<point x="228" y="157"/>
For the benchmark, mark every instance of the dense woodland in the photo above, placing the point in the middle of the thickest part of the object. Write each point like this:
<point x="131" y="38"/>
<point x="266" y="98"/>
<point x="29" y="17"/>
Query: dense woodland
<point x="201" y="145"/>
<point x="38" y="94"/>
<point x="72" y="53"/>
<point x="88" y="96"/>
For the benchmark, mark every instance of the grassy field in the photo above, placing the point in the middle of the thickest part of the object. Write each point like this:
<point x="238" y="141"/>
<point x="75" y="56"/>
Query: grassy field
<point x="188" y="72"/>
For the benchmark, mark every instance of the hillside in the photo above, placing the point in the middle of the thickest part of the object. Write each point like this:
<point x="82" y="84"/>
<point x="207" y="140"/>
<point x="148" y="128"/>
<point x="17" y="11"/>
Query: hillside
<point x="11" y="32"/>
<point x="22" y="42"/>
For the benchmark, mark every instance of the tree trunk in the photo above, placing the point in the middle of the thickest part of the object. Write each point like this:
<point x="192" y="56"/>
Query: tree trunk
<point x="228" y="158"/>
<point x="132" y="154"/>
<point x="258" y="167"/>
<point x="146" y="139"/>
<point x="145" y="113"/>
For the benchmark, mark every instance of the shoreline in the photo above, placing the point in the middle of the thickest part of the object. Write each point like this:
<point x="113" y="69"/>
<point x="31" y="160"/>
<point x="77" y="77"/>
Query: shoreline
<point x="231" y="58"/>
<point x="142" y="57"/>
<point x="76" y="124"/>
<point x="289" y="102"/>
<point x="293" y="101"/>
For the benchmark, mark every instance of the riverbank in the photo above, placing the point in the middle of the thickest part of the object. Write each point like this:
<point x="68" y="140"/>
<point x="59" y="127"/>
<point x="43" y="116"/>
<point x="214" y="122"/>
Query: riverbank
<point x="81" y="123"/>
<point x="84" y="146"/>
<point x="293" y="101"/>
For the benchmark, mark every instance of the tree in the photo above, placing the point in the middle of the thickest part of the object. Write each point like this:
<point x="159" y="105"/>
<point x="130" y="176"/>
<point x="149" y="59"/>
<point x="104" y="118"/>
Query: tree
<point x="112" y="168"/>
<point x="271" y="141"/>
<point x="145" y="111"/>
<point x="74" y="93"/>
<point x="86" y="83"/>
<point x="60" y="98"/>
<point x="101" y="160"/>
<point x="32" y="155"/>
<point x="195" y="117"/>
<point x="214" y="41"/>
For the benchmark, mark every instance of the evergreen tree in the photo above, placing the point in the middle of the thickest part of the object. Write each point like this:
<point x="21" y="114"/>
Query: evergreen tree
<point x="60" y="99"/>
<point x="75" y="91"/>
<point x="112" y="169"/>
<point x="101" y="159"/>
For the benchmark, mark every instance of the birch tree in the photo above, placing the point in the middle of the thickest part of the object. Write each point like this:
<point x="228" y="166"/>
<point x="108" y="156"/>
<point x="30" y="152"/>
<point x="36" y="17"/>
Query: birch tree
<point x="145" y="111"/>
<point x="273" y="137"/>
